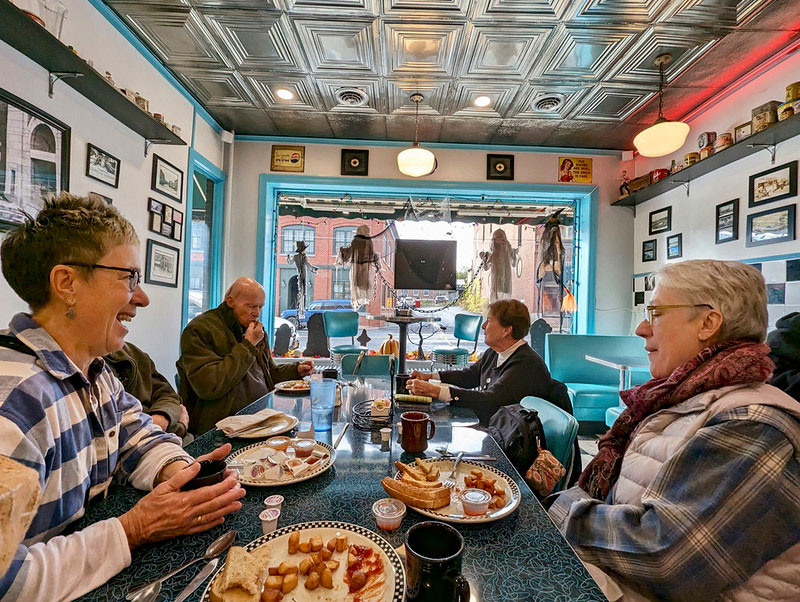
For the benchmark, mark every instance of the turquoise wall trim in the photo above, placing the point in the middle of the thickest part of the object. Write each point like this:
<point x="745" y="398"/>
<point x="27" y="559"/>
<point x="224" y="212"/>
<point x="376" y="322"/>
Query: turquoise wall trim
<point x="585" y="197"/>
<point x="198" y="163"/>
<point x="453" y="145"/>
<point x="120" y="26"/>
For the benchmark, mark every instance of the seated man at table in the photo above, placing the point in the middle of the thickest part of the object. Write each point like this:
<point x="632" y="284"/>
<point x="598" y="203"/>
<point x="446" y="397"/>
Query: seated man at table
<point x="508" y="371"/>
<point x="225" y="362"/>
<point x="784" y="343"/>
<point x="138" y="374"/>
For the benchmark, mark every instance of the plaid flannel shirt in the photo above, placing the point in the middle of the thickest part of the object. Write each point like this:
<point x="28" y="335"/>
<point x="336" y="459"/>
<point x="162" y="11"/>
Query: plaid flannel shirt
<point x="716" y="512"/>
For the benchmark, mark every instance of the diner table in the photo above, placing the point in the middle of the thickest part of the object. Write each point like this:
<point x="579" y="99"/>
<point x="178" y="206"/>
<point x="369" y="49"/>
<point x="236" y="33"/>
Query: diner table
<point x="625" y="365"/>
<point x="520" y="557"/>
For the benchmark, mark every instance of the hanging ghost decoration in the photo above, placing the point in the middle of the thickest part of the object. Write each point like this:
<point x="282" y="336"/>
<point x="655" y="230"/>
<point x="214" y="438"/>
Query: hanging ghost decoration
<point x="360" y="255"/>
<point x="500" y="260"/>
<point x="551" y="259"/>
<point x="302" y="264"/>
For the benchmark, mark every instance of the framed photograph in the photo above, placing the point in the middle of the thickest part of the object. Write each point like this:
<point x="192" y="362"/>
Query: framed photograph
<point x="355" y="162"/>
<point x="727" y="227"/>
<point x="773" y="184"/>
<point x="155" y="207"/>
<point x="163" y="264"/>
<point x="740" y="132"/>
<point x="499" y="167"/>
<point x="155" y="223"/>
<point x="167" y="213"/>
<point x="102" y="197"/>
<point x="661" y="220"/>
<point x="102" y="166"/>
<point x="166" y="229"/>
<point x="167" y="179"/>
<point x="771" y="226"/>
<point x="177" y="231"/>
<point x="34" y="159"/>
<point x="674" y="246"/>
<point x="649" y="250"/>
<point x="287" y="158"/>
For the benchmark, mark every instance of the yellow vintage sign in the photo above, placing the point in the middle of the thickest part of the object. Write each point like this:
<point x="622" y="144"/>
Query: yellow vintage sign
<point x="288" y="158"/>
<point x="575" y="170"/>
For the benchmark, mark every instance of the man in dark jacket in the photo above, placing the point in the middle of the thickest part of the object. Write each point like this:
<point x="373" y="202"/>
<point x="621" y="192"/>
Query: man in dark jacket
<point x="139" y="377"/>
<point x="785" y="344"/>
<point x="225" y="362"/>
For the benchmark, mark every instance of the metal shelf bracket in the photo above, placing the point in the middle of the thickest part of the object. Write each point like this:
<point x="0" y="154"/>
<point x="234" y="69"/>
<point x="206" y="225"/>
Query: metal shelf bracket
<point x="685" y="184"/>
<point x="770" y="147"/>
<point x="57" y="75"/>
<point x="148" y="142"/>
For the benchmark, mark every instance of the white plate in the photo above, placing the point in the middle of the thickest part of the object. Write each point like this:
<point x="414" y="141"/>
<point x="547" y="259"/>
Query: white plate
<point x="286" y="387"/>
<point x="278" y="426"/>
<point x="454" y="513"/>
<point x="256" y="451"/>
<point x="277" y="542"/>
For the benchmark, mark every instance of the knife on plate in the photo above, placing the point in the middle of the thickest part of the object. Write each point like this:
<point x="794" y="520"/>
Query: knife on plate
<point x="198" y="580"/>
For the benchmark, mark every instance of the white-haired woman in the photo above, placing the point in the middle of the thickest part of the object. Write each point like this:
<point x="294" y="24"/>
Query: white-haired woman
<point x="695" y="491"/>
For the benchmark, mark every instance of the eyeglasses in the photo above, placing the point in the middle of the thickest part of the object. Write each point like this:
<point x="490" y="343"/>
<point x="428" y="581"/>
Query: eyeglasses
<point x="134" y="280"/>
<point x="651" y="309"/>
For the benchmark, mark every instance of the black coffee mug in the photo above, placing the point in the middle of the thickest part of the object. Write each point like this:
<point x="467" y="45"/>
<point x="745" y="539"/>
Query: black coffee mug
<point x="433" y="564"/>
<point x="330" y="373"/>
<point x="211" y="472"/>
<point x="400" y="383"/>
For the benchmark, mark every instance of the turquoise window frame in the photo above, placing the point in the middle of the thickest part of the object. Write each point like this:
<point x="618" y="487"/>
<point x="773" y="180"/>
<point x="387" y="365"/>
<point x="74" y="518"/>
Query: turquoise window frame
<point x="199" y="164"/>
<point x="585" y="198"/>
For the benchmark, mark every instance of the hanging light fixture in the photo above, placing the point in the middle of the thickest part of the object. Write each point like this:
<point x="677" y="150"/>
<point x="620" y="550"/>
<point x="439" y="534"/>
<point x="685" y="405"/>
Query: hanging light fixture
<point x="416" y="161"/>
<point x="663" y="137"/>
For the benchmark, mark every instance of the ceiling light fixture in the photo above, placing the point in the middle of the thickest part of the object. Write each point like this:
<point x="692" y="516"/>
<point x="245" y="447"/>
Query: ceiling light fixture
<point x="416" y="161"/>
<point x="284" y="94"/>
<point x="482" y="101"/>
<point x="663" y="137"/>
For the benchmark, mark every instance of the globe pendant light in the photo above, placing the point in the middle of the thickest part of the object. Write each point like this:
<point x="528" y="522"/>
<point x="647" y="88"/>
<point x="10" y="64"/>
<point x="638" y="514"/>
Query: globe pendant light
<point x="663" y="137"/>
<point x="416" y="161"/>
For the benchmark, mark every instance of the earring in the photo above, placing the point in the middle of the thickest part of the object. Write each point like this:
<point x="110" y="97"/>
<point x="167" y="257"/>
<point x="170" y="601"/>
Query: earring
<point x="70" y="313"/>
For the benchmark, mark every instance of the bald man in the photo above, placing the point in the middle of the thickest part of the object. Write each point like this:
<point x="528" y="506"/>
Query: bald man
<point x="225" y="361"/>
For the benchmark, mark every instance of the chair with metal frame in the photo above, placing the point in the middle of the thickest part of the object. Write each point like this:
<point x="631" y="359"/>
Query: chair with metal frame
<point x="371" y="365"/>
<point x="341" y="324"/>
<point x="467" y="328"/>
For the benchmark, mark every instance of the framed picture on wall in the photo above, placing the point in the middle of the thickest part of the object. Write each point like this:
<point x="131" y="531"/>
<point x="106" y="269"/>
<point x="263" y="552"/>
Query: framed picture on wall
<point x="660" y="220"/>
<point x="101" y="197"/>
<point x="727" y="226"/>
<point x="499" y="167"/>
<point x="163" y="264"/>
<point x="674" y="246"/>
<point x="34" y="143"/>
<point x="355" y="162"/>
<point x="102" y="166"/>
<point x="287" y="158"/>
<point x="773" y="184"/>
<point x="771" y="226"/>
<point x="165" y="220"/>
<point x="167" y="179"/>
<point x="649" y="250"/>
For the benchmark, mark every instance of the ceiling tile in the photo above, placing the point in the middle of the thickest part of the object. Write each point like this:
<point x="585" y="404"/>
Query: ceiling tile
<point x="373" y="88"/>
<point x="501" y="95"/>
<point x="251" y="121"/>
<point x="607" y="102"/>
<point x="301" y="124"/>
<point x="339" y="46"/>
<point x="502" y="51"/>
<point x="524" y="132"/>
<point x="533" y="11"/>
<point x="620" y="11"/>
<point x="575" y="51"/>
<point x="219" y="88"/>
<point x="336" y="8"/>
<point x="428" y="8"/>
<point x="421" y="48"/>
<point x="267" y="85"/>
<point x="400" y="90"/>
<point x="540" y="100"/>
<point x="467" y="130"/>
<point x="401" y="127"/>
<point x="357" y="127"/>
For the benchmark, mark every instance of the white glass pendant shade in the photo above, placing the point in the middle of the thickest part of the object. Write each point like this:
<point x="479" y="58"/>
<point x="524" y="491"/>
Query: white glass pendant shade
<point x="662" y="138"/>
<point x="416" y="161"/>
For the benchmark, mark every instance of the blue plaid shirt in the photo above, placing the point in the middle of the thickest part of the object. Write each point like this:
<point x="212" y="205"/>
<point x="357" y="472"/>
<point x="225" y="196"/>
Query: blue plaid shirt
<point x="77" y="432"/>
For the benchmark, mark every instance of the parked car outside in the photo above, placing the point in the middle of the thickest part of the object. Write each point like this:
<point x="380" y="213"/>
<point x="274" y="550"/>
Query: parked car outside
<point x="316" y="307"/>
<point x="293" y="342"/>
<point x="440" y="299"/>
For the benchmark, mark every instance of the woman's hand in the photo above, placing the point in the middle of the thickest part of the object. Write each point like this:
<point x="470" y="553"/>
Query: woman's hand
<point x="420" y="387"/>
<point x="421" y="375"/>
<point x="168" y="512"/>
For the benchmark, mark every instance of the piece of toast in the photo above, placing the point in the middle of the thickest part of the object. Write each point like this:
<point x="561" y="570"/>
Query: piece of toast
<point x="19" y="499"/>
<point x="411" y="471"/>
<point x="242" y="577"/>
<point x="236" y="594"/>
<point x="420" y="497"/>
<point x="431" y="470"/>
<point x="425" y="484"/>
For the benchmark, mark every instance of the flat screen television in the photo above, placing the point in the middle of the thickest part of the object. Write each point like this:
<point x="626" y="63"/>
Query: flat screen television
<point x="425" y="264"/>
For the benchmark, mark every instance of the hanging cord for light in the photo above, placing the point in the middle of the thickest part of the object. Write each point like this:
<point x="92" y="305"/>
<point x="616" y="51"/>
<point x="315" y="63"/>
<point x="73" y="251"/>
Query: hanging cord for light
<point x="416" y="161"/>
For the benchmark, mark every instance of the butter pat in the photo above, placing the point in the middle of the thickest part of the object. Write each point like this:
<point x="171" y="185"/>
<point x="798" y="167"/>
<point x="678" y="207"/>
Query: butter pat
<point x="380" y="408"/>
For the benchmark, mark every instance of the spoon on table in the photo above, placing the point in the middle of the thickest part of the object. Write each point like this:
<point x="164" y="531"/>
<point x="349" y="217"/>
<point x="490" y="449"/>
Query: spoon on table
<point x="149" y="591"/>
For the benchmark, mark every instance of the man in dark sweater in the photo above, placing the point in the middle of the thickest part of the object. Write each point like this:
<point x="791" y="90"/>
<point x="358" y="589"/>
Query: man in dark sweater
<point x="784" y="342"/>
<point x="508" y="371"/>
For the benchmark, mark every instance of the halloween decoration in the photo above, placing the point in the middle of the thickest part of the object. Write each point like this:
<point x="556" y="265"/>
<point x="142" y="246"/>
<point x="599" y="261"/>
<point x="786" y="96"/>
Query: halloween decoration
<point x="501" y="259"/>
<point x="551" y="259"/>
<point x="360" y="255"/>
<point x="301" y="263"/>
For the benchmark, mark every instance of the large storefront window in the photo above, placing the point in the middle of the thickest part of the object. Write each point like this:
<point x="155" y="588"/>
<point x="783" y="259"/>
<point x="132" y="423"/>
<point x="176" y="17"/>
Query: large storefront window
<point x="291" y="234"/>
<point x="200" y="255"/>
<point x="341" y="283"/>
<point x="341" y="238"/>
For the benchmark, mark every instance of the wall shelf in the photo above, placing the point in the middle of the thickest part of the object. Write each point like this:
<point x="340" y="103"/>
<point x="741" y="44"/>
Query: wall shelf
<point x="764" y="140"/>
<point x="38" y="44"/>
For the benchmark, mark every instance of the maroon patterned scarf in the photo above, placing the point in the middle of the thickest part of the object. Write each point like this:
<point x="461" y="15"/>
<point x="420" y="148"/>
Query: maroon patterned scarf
<point x="720" y="365"/>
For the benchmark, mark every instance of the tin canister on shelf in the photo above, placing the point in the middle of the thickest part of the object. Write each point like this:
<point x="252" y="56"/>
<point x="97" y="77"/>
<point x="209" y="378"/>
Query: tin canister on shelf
<point x="788" y="109"/>
<point x="764" y="120"/>
<point x="706" y="152"/>
<point x="793" y="92"/>
<point x="691" y="159"/>
<point x="706" y="139"/>
<point x="771" y="106"/>
<point x="740" y="132"/>
<point x="658" y="174"/>
<point x="640" y="182"/>
<point x="142" y="103"/>
<point x="724" y="140"/>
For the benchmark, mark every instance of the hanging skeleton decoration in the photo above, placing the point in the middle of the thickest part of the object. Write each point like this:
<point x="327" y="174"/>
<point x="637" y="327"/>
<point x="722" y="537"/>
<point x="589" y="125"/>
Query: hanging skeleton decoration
<point x="301" y="263"/>
<point x="360" y="255"/>
<point x="551" y="259"/>
<point x="501" y="260"/>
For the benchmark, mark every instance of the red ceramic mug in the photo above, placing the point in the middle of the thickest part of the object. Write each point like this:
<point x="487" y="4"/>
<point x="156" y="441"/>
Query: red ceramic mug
<point x="415" y="431"/>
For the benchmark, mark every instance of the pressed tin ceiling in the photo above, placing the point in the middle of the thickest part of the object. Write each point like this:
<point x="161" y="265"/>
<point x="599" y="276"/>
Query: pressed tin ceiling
<point x="575" y="73"/>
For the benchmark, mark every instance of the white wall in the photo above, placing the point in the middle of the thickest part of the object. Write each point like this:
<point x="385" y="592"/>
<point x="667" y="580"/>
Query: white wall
<point x="156" y="328"/>
<point x="614" y="226"/>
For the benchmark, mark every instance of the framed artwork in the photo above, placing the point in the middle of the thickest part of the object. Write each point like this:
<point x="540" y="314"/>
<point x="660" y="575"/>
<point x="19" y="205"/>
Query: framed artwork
<point x="102" y="197"/>
<point x="34" y="159"/>
<point x="773" y="184"/>
<point x="660" y="220"/>
<point x="355" y="162"/>
<point x="165" y="220"/>
<point x="727" y="227"/>
<point x="771" y="226"/>
<point x="167" y="179"/>
<point x="287" y="158"/>
<point x="674" y="246"/>
<point x="649" y="250"/>
<point x="102" y="166"/>
<point x="163" y="263"/>
<point x="499" y="167"/>
<point x="576" y="170"/>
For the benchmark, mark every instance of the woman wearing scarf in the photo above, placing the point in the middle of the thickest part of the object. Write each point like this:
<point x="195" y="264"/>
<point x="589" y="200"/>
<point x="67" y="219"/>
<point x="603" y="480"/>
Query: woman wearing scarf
<point x="695" y="491"/>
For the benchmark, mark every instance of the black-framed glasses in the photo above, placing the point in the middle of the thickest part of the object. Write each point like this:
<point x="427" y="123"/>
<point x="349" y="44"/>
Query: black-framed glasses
<point x="134" y="280"/>
<point x="654" y="308"/>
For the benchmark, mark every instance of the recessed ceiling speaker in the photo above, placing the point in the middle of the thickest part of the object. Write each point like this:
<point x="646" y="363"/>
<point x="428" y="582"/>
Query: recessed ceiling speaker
<point x="548" y="102"/>
<point x="351" y="97"/>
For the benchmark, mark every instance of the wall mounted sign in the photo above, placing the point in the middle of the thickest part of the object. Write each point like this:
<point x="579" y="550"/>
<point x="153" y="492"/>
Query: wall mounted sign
<point x="499" y="167"/>
<point x="575" y="170"/>
<point x="287" y="158"/>
<point x="355" y="162"/>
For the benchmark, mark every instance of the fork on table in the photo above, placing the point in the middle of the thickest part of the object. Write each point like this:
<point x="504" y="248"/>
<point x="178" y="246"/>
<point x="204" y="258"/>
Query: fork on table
<point x="450" y="481"/>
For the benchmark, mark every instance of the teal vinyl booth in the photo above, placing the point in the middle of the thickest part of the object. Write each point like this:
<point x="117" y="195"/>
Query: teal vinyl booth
<point x="593" y="388"/>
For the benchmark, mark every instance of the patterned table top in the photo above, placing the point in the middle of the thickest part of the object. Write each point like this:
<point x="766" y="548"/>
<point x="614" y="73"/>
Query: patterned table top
<point x="522" y="557"/>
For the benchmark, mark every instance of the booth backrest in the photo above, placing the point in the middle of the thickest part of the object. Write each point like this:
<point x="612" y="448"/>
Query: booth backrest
<point x="371" y="365"/>
<point x="565" y="356"/>
<point x="340" y="323"/>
